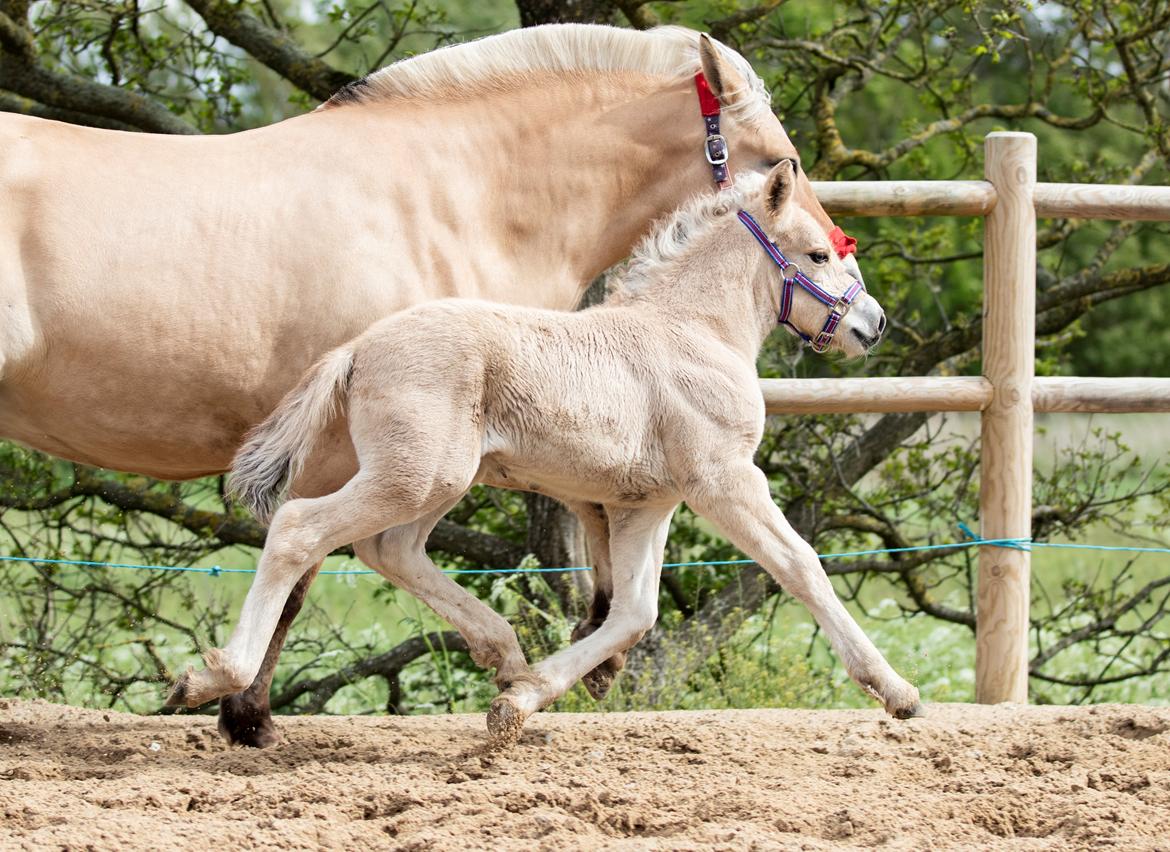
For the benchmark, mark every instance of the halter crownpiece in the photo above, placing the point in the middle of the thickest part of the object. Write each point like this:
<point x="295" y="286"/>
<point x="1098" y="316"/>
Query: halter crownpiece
<point x="715" y="145"/>
<point x="838" y="305"/>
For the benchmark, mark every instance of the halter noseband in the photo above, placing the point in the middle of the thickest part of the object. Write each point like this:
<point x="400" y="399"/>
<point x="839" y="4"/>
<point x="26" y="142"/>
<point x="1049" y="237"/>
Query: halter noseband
<point x="838" y="305"/>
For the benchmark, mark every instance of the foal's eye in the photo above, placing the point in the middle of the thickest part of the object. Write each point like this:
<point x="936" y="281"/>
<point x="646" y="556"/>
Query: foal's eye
<point x="819" y="258"/>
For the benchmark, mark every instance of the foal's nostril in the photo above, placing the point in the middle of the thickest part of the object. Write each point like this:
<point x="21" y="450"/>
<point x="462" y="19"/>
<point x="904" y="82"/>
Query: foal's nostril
<point x="881" y="324"/>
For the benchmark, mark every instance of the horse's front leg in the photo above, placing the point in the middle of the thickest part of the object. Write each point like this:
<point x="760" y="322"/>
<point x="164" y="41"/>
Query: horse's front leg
<point x="637" y="540"/>
<point x="245" y="718"/>
<point x="737" y="501"/>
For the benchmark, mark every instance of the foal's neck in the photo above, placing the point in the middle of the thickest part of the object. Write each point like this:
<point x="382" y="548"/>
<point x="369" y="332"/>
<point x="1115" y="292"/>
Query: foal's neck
<point x="720" y="287"/>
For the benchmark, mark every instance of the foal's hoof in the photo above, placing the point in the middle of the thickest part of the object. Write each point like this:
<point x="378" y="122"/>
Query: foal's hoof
<point x="599" y="681"/>
<point x="914" y="711"/>
<point x="505" y="721"/>
<point x="243" y="723"/>
<point x="178" y="696"/>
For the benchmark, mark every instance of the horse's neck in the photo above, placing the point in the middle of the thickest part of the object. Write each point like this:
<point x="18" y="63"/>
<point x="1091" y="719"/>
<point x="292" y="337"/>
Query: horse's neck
<point x="550" y="185"/>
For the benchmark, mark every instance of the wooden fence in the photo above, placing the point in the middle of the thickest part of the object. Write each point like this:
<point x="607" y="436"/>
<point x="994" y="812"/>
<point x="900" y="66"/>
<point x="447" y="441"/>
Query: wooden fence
<point x="1010" y="201"/>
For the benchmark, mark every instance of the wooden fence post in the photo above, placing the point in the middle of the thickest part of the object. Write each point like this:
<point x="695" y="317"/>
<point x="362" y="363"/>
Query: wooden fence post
<point x="1009" y="352"/>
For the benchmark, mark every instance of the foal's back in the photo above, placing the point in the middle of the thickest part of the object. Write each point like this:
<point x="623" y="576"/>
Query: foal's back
<point x="606" y="399"/>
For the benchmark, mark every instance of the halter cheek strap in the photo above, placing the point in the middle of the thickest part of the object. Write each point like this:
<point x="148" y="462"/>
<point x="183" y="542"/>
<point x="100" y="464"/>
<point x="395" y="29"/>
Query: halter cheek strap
<point x="715" y="145"/>
<point x="838" y="305"/>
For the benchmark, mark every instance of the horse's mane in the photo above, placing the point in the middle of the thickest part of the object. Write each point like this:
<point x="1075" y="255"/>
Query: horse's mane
<point x="670" y="238"/>
<point x="502" y="62"/>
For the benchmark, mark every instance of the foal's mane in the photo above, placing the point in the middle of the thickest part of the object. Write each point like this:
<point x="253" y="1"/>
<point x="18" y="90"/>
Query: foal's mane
<point x="507" y="61"/>
<point x="670" y="238"/>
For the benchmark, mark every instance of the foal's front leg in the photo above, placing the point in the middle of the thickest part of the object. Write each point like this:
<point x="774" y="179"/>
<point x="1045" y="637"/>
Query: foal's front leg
<point x="738" y="502"/>
<point x="595" y="522"/>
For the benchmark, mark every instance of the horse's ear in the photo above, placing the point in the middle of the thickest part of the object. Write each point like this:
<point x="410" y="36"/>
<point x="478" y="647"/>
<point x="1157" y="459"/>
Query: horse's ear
<point x="779" y="186"/>
<point x="726" y="83"/>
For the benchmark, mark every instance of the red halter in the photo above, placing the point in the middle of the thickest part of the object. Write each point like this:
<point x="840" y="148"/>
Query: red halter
<point x="715" y="149"/>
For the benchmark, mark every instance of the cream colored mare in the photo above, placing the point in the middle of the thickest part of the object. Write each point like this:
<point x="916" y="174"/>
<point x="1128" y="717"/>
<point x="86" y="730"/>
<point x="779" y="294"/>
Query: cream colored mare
<point x="636" y="405"/>
<point x="159" y="295"/>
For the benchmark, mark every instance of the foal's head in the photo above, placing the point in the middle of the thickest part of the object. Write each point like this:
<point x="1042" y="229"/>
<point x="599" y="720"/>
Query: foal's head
<point x="817" y="295"/>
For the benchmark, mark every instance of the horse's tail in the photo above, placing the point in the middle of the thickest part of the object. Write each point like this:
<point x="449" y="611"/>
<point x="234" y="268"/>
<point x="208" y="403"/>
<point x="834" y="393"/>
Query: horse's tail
<point x="274" y="453"/>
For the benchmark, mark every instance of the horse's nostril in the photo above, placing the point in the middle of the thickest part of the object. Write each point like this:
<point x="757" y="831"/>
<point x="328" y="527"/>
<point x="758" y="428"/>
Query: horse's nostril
<point x="881" y="324"/>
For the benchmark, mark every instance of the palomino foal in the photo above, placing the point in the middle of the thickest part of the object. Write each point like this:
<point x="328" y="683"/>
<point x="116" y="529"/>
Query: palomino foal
<point x="637" y="404"/>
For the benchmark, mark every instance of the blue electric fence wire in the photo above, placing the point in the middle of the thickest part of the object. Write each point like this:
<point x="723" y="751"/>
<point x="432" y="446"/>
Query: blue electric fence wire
<point x="972" y="541"/>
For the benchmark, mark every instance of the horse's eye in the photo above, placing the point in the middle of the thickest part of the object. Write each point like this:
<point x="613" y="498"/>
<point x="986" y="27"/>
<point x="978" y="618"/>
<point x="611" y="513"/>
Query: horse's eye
<point x="819" y="258"/>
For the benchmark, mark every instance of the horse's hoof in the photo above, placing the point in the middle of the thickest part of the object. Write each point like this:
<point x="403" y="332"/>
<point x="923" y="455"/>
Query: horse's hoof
<point x="260" y="735"/>
<point x="598" y="682"/>
<point x="243" y="723"/>
<point x="504" y="723"/>
<point x="914" y="711"/>
<point x="178" y="694"/>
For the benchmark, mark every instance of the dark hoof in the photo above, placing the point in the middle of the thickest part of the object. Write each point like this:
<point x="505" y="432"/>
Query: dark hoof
<point x="245" y="724"/>
<point x="504" y="723"/>
<point x="913" y="712"/>
<point x="178" y="694"/>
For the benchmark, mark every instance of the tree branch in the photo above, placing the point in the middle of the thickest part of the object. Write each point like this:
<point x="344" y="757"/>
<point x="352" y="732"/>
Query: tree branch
<point x="388" y="665"/>
<point x="272" y="48"/>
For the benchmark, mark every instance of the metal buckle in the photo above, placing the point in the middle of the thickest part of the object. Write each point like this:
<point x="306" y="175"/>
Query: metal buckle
<point x="842" y="307"/>
<point x="821" y="342"/>
<point x="715" y="148"/>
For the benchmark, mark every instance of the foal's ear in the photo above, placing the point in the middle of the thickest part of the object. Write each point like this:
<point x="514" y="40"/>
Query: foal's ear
<point x="779" y="186"/>
<point x="726" y="83"/>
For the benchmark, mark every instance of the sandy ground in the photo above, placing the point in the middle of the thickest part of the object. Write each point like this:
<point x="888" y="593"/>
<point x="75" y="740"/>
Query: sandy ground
<point x="965" y="777"/>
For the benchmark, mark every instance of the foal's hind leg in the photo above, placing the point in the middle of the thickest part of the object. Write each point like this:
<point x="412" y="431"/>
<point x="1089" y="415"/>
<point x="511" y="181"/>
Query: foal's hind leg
<point x="637" y="541"/>
<point x="245" y="718"/>
<point x="400" y="556"/>
<point x="302" y="533"/>
<point x="595" y="521"/>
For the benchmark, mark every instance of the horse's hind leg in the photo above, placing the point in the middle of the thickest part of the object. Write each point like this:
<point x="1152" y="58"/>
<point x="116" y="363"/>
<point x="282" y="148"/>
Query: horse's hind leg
<point x="400" y="556"/>
<point x="595" y="521"/>
<point x="302" y="533"/>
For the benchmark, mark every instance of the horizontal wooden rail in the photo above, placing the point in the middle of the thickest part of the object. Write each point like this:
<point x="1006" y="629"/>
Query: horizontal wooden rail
<point x="879" y="395"/>
<point x="1094" y="201"/>
<point x="1118" y="396"/>
<point x="959" y="393"/>
<point x="977" y="198"/>
<point x="906" y="197"/>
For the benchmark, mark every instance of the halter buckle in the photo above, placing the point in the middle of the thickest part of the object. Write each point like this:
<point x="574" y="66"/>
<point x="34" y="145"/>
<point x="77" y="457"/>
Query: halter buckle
<point x="715" y="148"/>
<point x="822" y="341"/>
<point x="842" y="306"/>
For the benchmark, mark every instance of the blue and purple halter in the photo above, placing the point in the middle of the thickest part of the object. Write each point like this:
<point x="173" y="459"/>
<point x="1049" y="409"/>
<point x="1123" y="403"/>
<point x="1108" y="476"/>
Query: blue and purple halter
<point x="838" y="305"/>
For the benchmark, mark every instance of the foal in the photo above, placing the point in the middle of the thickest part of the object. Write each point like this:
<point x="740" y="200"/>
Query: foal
<point x="637" y="404"/>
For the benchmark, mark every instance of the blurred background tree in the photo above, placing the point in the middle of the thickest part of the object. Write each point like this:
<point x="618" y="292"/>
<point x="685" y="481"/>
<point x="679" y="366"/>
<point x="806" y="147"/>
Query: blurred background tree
<point x="868" y="90"/>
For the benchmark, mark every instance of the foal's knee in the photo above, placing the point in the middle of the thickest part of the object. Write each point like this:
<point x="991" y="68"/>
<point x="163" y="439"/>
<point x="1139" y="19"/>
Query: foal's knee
<point x="636" y="623"/>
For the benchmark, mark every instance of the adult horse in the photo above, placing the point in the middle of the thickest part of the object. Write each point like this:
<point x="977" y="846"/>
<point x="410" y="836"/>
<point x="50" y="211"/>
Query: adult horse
<point x="159" y="295"/>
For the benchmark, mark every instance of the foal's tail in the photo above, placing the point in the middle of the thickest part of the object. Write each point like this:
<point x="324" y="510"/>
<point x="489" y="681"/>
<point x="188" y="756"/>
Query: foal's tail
<point x="274" y="453"/>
